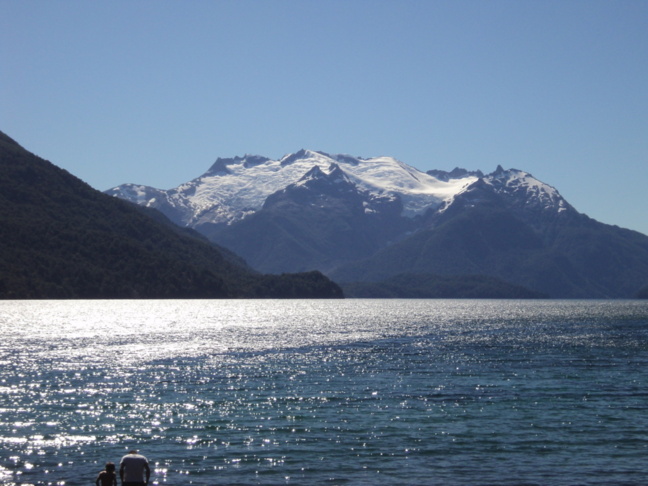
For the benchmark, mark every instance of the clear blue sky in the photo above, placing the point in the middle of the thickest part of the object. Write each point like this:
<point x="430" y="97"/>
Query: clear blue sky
<point x="152" y="92"/>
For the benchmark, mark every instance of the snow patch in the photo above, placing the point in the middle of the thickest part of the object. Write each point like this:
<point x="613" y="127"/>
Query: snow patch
<point x="248" y="186"/>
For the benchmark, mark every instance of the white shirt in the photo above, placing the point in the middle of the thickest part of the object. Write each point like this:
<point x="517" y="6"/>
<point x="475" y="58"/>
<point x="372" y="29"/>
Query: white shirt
<point x="134" y="467"/>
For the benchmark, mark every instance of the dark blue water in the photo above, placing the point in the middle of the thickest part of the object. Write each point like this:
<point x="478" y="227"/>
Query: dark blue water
<point x="314" y="392"/>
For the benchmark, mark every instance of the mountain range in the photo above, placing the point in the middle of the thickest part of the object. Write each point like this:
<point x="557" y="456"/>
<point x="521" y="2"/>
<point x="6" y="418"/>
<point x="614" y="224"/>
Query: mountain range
<point x="372" y="223"/>
<point x="63" y="239"/>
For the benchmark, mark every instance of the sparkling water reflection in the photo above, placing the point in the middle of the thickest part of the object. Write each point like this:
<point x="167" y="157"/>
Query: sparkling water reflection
<point x="311" y="392"/>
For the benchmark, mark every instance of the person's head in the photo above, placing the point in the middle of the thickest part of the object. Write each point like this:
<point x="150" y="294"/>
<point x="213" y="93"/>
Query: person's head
<point x="110" y="467"/>
<point x="134" y="451"/>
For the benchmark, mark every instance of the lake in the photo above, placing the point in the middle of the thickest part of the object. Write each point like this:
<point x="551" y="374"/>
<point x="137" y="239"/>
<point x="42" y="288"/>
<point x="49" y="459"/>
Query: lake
<point x="357" y="392"/>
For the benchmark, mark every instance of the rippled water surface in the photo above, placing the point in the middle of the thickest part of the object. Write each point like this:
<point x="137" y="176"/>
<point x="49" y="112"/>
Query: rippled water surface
<point x="326" y="392"/>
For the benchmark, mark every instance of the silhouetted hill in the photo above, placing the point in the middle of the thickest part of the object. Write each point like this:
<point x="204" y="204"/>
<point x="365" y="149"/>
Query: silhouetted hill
<point x="63" y="239"/>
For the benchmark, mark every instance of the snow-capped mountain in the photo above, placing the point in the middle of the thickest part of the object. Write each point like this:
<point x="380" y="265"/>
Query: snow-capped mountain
<point x="522" y="191"/>
<point x="235" y="188"/>
<point x="359" y="219"/>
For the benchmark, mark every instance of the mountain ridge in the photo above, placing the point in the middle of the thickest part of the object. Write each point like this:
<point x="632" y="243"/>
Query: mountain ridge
<point x="386" y="218"/>
<point x="244" y="186"/>
<point x="372" y="219"/>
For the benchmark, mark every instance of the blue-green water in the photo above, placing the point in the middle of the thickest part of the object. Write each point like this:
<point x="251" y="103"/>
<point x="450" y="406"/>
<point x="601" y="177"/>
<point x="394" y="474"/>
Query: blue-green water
<point x="326" y="392"/>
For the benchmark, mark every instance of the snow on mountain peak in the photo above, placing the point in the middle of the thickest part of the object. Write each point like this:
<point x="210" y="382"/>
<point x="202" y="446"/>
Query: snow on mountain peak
<point x="235" y="187"/>
<point x="520" y="188"/>
<point x="532" y="191"/>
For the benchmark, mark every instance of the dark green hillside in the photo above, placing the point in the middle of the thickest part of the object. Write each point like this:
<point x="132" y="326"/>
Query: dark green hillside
<point x="420" y="286"/>
<point x="63" y="239"/>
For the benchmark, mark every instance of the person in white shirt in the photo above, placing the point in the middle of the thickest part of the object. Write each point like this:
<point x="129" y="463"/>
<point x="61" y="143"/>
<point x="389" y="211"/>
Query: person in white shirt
<point x="132" y="469"/>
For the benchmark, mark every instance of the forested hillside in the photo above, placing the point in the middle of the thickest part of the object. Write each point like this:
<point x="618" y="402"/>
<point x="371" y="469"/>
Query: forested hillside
<point x="63" y="239"/>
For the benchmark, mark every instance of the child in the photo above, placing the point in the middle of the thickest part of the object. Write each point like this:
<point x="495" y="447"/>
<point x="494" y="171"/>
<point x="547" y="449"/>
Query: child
<point x="108" y="476"/>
